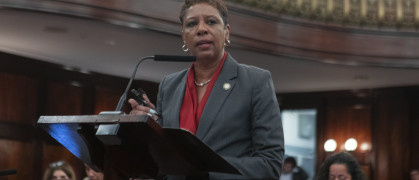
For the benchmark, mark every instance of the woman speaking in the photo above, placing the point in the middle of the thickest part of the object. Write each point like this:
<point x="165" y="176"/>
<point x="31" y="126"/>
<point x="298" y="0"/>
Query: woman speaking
<point x="230" y="107"/>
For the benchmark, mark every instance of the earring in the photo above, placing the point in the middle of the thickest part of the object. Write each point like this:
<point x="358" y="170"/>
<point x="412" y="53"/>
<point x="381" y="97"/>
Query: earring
<point x="184" y="48"/>
<point x="228" y="43"/>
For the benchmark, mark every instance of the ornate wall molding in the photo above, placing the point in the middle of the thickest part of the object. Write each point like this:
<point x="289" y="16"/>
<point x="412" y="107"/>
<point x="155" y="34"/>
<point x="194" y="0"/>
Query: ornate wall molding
<point x="370" y="13"/>
<point x="264" y="31"/>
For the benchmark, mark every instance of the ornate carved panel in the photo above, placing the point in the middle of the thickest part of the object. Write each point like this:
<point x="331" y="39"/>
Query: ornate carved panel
<point x="373" y="13"/>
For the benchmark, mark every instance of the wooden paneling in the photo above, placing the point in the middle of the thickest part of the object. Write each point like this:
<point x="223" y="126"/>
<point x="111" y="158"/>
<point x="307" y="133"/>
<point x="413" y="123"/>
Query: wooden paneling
<point x="18" y="98"/>
<point x="414" y="128"/>
<point x="63" y="98"/>
<point x="346" y="118"/>
<point x="17" y="155"/>
<point x="351" y="121"/>
<point x="30" y="88"/>
<point x="391" y="134"/>
<point x="16" y="131"/>
<point x="387" y="118"/>
<point x="106" y="99"/>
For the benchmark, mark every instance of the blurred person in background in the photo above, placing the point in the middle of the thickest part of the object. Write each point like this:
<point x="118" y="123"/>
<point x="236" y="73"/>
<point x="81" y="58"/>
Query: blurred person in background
<point x="414" y="174"/>
<point x="59" y="170"/>
<point x="340" y="166"/>
<point x="291" y="171"/>
<point x="92" y="174"/>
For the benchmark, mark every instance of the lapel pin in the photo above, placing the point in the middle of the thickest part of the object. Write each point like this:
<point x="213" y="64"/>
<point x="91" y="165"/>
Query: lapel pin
<point x="226" y="86"/>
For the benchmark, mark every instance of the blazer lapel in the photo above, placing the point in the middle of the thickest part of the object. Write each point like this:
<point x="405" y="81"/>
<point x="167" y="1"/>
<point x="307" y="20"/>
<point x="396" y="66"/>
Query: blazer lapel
<point x="177" y="103"/>
<point x="218" y="96"/>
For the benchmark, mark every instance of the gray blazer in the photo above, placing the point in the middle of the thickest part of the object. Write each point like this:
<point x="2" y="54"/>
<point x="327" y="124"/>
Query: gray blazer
<point x="242" y="123"/>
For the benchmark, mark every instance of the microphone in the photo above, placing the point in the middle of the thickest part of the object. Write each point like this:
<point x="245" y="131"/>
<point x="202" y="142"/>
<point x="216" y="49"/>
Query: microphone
<point x="172" y="58"/>
<point x="8" y="172"/>
<point x="108" y="133"/>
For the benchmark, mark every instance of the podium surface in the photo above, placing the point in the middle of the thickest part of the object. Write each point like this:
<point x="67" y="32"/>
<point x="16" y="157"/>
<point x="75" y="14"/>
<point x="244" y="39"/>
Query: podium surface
<point x="133" y="146"/>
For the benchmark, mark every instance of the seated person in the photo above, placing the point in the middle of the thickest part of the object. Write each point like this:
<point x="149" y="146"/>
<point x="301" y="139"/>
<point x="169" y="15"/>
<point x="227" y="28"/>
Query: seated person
<point x="92" y="174"/>
<point x="414" y="174"/>
<point x="59" y="170"/>
<point x="291" y="171"/>
<point x="340" y="166"/>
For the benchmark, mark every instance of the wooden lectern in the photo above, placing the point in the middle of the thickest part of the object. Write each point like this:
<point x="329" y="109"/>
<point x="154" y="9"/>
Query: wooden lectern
<point x="124" y="146"/>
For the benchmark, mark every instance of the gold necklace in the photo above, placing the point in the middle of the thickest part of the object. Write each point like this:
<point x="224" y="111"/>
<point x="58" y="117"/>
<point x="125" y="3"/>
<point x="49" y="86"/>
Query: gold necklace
<point x="201" y="84"/>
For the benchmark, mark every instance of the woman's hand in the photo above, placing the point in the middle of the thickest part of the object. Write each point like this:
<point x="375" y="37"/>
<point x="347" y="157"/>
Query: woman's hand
<point x="143" y="110"/>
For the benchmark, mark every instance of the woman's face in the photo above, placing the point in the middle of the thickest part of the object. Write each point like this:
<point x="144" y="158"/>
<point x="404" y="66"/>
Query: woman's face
<point x="59" y="175"/>
<point x="339" y="172"/>
<point x="204" y="32"/>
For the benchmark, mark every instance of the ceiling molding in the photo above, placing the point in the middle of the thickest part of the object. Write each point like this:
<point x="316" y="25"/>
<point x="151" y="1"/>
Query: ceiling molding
<point x="394" y="14"/>
<point x="259" y="31"/>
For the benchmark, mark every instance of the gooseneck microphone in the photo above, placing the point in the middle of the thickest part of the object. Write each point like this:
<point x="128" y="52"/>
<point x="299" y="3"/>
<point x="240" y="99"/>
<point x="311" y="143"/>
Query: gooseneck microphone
<point x="172" y="58"/>
<point x="108" y="133"/>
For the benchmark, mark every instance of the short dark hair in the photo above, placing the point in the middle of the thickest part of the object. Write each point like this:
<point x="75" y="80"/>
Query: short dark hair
<point x="291" y="160"/>
<point x="217" y="4"/>
<point x="354" y="169"/>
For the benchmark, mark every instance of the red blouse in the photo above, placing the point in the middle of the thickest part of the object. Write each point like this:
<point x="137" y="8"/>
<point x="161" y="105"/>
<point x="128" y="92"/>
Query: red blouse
<point x="190" y="111"/>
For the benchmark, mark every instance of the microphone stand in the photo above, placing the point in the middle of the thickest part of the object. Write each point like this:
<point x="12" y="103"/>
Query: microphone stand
<point x="108" y="133"/>
<point x="156" y="58"/>
<point x="124" y="96"/>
